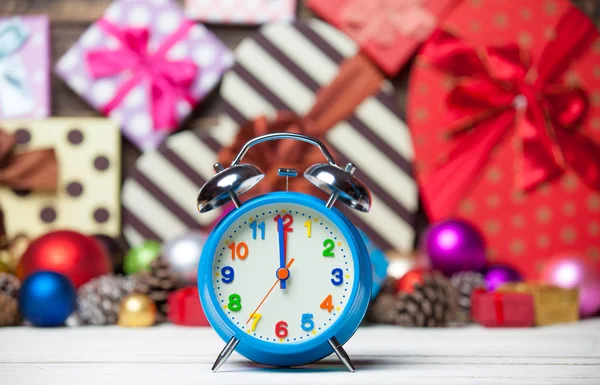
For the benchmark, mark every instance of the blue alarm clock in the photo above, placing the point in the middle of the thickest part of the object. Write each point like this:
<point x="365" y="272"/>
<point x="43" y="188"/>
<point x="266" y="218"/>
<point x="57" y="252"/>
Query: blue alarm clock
<point x="285" y="278"/>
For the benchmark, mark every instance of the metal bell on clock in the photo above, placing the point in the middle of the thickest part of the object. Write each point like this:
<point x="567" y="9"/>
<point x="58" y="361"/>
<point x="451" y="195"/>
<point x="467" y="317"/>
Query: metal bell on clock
<point x="227" y="185"/>
<point x="341" y="184"/>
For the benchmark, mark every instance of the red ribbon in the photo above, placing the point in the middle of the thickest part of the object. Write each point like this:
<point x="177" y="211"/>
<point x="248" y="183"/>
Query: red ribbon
<point x="502" y="88"/>
<point x="382" y="20"/>
<point x="167" y="80"/>
<point x="499" y="305"/>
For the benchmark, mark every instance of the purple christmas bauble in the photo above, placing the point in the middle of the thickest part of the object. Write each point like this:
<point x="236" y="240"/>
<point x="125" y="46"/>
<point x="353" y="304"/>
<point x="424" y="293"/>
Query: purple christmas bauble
<point x="572" y="271"/>
<point x="497" y="275"/>
<point x="454" y="245"/>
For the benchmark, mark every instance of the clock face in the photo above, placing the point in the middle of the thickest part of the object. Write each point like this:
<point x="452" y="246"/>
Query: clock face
<point x="283" y="287"/>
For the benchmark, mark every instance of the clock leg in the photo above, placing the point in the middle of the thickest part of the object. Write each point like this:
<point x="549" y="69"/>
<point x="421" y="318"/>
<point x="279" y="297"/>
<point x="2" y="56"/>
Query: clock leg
<point x="341" y="353"/>
<point x="225" y="353"/>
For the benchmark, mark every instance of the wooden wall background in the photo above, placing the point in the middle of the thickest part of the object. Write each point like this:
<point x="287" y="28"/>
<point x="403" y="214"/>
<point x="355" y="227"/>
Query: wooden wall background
<point x="70" y="18"/>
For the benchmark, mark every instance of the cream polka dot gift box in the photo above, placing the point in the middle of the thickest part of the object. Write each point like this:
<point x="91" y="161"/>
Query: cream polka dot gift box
<point x="145" y="65"/>
<point x="88" y="157"/>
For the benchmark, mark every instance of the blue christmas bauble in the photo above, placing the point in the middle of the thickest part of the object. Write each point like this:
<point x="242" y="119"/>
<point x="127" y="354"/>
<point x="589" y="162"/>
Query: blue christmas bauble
<point x="47" y="298"/>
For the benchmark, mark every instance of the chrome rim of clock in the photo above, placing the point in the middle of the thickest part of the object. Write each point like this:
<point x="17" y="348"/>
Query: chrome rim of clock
<point x="229" y="183"/>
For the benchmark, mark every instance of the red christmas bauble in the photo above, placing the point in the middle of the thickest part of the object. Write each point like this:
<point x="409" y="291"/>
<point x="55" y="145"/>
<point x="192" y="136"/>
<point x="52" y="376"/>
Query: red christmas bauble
<point x="408" y="280"/>
<point x="73" y="254"/>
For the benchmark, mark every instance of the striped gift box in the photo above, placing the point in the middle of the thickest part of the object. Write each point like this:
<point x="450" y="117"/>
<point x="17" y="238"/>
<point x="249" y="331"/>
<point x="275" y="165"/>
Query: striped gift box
<point x="281" y="68"/>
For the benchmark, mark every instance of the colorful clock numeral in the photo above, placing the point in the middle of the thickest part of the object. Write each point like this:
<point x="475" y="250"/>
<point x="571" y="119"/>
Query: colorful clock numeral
<point x="255" y="226"/>
<point x="329" y="245"/>
<point x="241" y="250"/>
<point x="327" y="303"/>
<point x="308" y="225"/>
<point x="288" y="220"/>
<point x="255" y="317"/>
<point x="235" y="302"/>
<point x="338" y="276"/>
<point x="307" y="322"/>
<point x="228" y="274"/>
<point x="281" y="330"/>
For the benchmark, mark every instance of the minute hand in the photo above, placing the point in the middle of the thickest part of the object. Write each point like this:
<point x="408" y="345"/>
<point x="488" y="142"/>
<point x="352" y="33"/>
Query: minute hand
<point x="281" y="230"/>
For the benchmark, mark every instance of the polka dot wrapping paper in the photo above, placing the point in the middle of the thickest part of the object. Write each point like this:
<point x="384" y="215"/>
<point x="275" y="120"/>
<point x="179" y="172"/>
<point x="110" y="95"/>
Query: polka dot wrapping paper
<point x="560" y="213"/>
<point x="88" y="152"/>
<point x="145" y="65"/>
<point x="248" y="12"/>
<point x="24" y="67"/>
<point x="389" y="32"/>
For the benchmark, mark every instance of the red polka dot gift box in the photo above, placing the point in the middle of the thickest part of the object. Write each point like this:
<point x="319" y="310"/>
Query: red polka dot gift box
<point x="146" y="66"/>
<point x="60" y="173"/>
<point x="504" y="109"/>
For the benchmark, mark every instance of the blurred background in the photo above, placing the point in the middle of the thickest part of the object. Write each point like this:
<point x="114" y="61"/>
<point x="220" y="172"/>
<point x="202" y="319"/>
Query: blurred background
<point x="484" y="171"/>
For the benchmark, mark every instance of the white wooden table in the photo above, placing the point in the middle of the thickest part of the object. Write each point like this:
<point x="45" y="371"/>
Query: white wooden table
<point x="565" y="354"/>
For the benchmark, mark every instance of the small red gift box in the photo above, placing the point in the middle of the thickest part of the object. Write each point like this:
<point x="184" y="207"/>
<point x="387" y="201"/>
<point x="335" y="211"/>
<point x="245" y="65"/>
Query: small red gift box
<point x="185" y="308"/>
<point x="504" y="110"/>
<point x="388" y="31"/>
<point x="509" y="309"/>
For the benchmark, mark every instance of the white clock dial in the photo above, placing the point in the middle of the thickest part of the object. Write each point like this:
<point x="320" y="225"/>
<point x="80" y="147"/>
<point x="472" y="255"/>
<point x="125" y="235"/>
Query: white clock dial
<point x="317" y="258"/>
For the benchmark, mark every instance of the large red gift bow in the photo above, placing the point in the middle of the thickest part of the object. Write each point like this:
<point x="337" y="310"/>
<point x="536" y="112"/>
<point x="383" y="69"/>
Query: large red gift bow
<point x="167" y="80"/>
<point x="502" y="87"/>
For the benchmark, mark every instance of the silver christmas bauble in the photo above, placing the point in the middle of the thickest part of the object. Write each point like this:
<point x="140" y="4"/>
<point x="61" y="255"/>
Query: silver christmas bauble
<point x="183" y="255"/>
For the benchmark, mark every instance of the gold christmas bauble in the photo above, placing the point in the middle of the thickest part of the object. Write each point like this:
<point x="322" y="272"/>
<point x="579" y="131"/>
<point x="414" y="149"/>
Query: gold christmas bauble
<point x="12" y="251"/>
<point x="3" y="268"/>
<point x="137" y="310"/>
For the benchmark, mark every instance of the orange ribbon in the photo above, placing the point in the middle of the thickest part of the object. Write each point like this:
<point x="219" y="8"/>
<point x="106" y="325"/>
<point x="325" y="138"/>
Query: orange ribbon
<point x="382" y="20"/>
<point x="357" y="79"/>
<point x="34" y="169"/>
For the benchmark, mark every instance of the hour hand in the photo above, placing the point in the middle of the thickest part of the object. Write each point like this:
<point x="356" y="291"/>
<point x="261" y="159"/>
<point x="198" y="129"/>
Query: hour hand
<point x="282" y="272"/>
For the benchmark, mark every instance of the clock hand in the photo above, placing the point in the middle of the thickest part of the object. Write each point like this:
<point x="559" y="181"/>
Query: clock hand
<point x="270" y="290"/>
<point x="281" y="273"/>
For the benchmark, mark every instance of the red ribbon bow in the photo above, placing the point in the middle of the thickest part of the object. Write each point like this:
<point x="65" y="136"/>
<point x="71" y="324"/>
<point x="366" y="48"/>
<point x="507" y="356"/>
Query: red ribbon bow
<point x="382" y="20"/>
<point x="503" y="88"/>
<point x="167" y="80"/>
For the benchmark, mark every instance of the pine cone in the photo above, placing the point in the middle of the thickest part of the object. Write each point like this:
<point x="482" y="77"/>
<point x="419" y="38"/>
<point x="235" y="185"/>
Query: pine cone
<point x="9" y="310"/>
<point x="9" y="285"/>
<point x="426" y="306"/>
<point x="157" y="284"/>
<point x="98" y="300"/>
<point x="463" y="284"/>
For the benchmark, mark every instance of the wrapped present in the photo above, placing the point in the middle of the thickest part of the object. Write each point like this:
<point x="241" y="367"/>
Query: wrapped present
<point x="60" y="173"/>
<point x="497" y="309"/>
<point x="146" y="66"/>
<point x="325" y="90"/>
<point x="388" y="31"/>
<point x="241" y="11"/>
<point x="185" y="308"/>
<point x="504" y="111"/>
<point x="552" y="304"/>
<point x="159" y="194"/>
<point x="309" y="77"/>
<point x="24" y="67"/>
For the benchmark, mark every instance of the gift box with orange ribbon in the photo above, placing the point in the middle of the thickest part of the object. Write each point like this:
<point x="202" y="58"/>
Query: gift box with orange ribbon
<point x="145" y="65"/>
<point x="504" y="108"/>
<point x="388" y="31"/>
<point x="325" y="89"/>
<point x="60" y="173"/>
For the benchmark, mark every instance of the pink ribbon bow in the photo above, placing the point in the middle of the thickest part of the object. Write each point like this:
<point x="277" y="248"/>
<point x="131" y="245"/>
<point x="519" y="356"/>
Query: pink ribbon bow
<point x="382" y="20"/>
<point x="167" y="80"/>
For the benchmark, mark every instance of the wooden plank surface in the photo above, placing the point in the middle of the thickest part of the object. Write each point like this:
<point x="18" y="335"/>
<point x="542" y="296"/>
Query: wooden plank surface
<point x="562" y="354"/>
